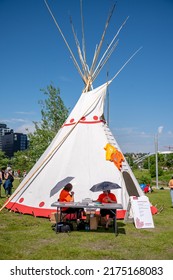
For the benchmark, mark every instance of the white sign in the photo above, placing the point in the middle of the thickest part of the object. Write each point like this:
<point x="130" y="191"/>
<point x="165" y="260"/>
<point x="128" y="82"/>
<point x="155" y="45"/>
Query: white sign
<point x="141" y="210"/>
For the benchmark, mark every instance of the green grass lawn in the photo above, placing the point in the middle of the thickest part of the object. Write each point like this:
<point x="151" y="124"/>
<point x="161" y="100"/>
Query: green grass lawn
<point x="24" y="237"/>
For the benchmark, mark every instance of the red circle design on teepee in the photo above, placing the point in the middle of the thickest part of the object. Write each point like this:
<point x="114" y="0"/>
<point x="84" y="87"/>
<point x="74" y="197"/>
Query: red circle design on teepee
<point x="21" y="200"/>
<point x="41" y="204"/>
<point x="95" y="118"/>
<point x="72" y="120"/>
<point x="83" y="119"/>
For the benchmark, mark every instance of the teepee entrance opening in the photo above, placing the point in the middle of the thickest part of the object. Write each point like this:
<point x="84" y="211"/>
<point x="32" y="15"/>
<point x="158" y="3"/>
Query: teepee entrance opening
<point x="130" y="186"/>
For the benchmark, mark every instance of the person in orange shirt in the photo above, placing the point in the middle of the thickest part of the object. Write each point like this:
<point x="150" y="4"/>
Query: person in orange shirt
<point x="67" y="195"/>
<point x="107" y="197"/>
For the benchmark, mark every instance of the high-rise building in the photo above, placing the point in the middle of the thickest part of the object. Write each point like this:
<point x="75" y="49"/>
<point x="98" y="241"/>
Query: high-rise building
<point x="13" y="142"/>
<point x="3" y="130"/>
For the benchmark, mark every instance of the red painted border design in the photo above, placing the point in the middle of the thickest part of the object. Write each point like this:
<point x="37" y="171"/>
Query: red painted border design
<point x="42" y="212"/>
<point x="84" y="122"/>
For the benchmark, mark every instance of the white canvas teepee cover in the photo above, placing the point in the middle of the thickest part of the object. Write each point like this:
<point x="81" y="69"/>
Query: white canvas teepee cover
<point x="76" y="152"/>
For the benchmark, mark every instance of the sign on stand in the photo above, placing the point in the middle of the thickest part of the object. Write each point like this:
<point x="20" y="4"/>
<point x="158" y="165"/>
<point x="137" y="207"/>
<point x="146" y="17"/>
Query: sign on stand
<point x="139" y="209"/>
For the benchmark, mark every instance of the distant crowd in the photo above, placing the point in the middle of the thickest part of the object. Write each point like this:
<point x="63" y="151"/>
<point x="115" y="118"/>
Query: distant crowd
<point x="7" y="177"/>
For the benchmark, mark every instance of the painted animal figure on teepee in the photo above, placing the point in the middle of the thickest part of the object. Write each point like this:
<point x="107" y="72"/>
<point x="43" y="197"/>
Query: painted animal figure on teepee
<point x="83" y="152"/>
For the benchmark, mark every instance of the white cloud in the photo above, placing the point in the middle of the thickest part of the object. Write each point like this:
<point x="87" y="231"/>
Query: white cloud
<point x="13" y="120"/>
<point x="25" y="128"/>
<point x="25" y="113"/>
<point x="160" y="129"/>
<point x="19" y="125"/>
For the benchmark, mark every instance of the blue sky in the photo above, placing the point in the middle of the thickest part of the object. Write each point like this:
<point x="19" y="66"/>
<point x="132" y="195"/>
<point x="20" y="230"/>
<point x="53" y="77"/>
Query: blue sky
<point x="33" y="55"/>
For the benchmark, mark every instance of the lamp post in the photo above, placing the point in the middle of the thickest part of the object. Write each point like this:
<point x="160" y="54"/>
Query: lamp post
<point x="156" y="153"/>
<point x="160" y="128"/>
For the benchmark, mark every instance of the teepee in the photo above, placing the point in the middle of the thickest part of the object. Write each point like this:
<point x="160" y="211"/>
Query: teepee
<point x="84" y="151"/>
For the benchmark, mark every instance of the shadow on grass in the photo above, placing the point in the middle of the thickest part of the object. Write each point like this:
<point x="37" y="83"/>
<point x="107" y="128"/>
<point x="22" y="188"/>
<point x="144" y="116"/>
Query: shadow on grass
<point x="100" y="229"/>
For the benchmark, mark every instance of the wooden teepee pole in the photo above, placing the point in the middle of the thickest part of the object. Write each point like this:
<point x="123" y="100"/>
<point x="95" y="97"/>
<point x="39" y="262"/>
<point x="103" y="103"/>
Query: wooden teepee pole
<point x="73" y="57"/>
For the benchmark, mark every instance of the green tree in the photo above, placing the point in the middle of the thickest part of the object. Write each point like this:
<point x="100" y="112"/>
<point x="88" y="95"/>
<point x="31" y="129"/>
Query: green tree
<point x="129" y="158"/>
<point x="54" y="114"/>
<point x="153" y="170"/>
<point x="169" y="160"/>
<point x="21" y="161"/>
<point x="4" y="161"/>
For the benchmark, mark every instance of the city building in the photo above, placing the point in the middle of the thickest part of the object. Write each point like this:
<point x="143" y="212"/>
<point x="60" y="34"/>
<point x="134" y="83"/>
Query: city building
<point x="3" y="130"/>
<point x="13" y="142"/>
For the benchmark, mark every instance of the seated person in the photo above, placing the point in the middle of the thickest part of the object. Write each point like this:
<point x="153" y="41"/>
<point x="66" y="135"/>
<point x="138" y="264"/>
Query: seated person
<point x="107" y="197"/>
<point x="67" y="195"/>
